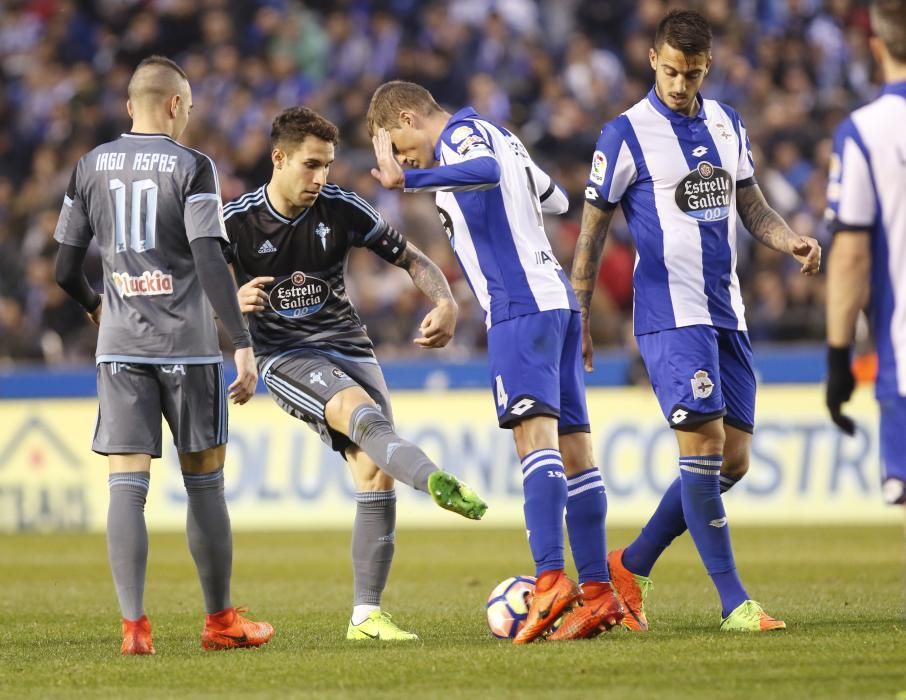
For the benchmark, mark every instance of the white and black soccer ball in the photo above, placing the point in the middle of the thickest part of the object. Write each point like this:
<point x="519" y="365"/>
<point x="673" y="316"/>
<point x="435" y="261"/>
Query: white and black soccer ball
<point x="508" y="605"/>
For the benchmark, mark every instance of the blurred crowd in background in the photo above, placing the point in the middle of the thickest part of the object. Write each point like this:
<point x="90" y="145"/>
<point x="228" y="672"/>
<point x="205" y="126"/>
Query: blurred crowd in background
<point x="553" y="70"/>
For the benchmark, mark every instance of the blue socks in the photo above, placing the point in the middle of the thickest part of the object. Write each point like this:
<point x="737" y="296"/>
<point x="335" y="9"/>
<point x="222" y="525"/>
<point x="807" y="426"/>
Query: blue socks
<point x="662" y="528"/>
<point x="665" y="525"/>
<point x="586" y="510"/>
<point x="704" y="513"/>
<point x="544" y="486"/>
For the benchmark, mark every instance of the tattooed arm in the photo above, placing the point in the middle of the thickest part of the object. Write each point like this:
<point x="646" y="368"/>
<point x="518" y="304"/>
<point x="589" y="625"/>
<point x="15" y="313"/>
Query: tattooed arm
<point x="586" y="263"/>
<point x="438" y="326"/>
<point x="767" y="226"/>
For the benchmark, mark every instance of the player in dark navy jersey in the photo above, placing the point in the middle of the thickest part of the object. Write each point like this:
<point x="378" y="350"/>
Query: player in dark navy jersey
<point x="289" y="241"/>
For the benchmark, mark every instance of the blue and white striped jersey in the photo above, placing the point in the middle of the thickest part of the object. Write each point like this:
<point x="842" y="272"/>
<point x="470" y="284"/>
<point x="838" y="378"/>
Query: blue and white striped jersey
<point x="676" y="178"/>
<point x="867" y="192"/>
<point x="490" y="197"/>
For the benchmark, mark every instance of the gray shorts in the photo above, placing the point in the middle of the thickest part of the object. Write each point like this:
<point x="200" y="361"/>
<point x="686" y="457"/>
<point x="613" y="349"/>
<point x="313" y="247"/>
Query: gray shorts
<point x="132" y="397"/>
<point x="303" y="382"/>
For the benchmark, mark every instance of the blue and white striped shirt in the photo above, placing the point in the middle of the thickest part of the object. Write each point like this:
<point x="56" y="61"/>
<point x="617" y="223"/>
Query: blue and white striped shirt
<point x="867" y="192"/>
<point x="490" y="197"/>
<point x="676" y="177"/>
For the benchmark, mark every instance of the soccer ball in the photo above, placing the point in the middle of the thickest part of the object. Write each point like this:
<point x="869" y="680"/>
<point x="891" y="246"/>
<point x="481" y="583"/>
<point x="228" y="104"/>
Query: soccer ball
<point x="508" y="605"/>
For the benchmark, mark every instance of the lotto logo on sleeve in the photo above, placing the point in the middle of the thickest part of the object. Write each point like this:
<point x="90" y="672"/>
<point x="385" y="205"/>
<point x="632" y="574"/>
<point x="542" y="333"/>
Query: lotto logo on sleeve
<point x="299" y="295"/>
<point x="147" y="284"/>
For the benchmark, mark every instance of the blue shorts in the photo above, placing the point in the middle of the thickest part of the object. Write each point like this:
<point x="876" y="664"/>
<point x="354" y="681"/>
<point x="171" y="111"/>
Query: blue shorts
<point x="537" y="370"/>
<point x="700" y="373"/>
<point x="893" y="437"/>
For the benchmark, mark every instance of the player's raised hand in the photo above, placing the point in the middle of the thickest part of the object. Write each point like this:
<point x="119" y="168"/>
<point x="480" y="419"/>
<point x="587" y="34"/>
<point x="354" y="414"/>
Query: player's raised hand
<point x="251" y="295"/>
<point x="243" y="388"/>
<point x="588" y="346"/>
<point x="438" y="326"/>
<point x="388" y="171"/>
<point x="807" y="251"/>
<point x="95" y="316"/>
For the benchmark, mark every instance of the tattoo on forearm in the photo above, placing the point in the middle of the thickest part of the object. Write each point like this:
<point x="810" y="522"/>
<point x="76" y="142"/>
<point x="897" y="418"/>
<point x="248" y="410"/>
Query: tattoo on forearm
<point x="587" y="258"/>
<point x="765" y="224"/>
<point x="425" y="274"/>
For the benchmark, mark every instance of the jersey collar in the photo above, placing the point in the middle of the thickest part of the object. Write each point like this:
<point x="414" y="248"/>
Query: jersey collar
<point x="898" y="88"/>
<point x="665" y="111"/>
<point x="464" y="113"/>
<point x="133" y="134"/>
<point x="278" y="215"/>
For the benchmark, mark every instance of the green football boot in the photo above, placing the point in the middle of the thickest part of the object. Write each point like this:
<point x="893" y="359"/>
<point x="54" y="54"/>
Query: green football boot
<point x="451" y="494"/>
<point x="379" y="626"/>
<point x="749" y="616"/>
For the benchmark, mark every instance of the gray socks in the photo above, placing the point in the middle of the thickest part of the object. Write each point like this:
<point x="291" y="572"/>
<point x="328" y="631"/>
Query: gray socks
<point x="372" y="544"/>
<point x="371" y="431"/>
<point x="127" y="539"/>
<point x="210" y="537"/>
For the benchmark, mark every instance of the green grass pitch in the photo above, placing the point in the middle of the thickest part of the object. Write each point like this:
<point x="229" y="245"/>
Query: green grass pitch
<point x="840" y="590"/>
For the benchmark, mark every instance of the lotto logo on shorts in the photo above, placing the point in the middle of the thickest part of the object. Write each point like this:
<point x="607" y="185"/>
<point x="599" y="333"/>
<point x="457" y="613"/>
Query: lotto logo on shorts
<point x="146" y="284"/>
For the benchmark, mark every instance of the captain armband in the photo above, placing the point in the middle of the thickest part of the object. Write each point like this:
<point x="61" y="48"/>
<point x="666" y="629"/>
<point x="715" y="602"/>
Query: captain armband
<point x="389" y="244"/>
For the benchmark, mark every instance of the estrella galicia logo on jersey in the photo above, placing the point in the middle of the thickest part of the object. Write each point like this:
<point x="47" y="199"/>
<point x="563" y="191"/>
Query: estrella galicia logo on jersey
<point x="299" y="295"/>
<point x="705" y="193"/>
<point x="322" y="231"/>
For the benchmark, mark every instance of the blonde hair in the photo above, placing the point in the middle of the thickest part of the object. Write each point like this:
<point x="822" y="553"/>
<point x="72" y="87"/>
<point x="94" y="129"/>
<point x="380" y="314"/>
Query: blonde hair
<point x="398" y="96"/>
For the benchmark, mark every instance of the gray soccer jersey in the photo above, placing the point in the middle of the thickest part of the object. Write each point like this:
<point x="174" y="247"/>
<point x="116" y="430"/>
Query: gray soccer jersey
<point x="144" y="198"/>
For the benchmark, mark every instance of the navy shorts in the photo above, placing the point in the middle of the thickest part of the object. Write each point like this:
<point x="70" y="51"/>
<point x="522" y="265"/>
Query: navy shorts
<point x="893" y="437"/>
<point x="536" y="369"/>
<point x="700" y="373"/>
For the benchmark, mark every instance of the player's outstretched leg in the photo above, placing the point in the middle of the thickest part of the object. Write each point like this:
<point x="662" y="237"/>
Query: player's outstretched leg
<point x="454" y="495"/>
<point x="370" y="430"/>
<point x="586" y="510"/>
<point x="372" y="554"/>
<point x="127" y="550"/>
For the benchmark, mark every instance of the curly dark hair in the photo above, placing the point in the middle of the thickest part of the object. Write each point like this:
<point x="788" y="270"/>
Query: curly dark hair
<point x="292" y="125"/>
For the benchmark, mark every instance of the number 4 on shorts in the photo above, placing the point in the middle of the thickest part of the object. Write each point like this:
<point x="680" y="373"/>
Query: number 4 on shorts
<point x="502" y="398"/>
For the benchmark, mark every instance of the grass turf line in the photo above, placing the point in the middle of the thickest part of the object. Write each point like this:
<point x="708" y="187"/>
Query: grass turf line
<point x="840" y="590"/>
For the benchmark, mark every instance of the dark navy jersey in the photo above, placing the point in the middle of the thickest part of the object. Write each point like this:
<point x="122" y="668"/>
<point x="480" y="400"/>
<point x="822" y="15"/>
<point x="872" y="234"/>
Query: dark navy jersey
<point x="306" y="256"/>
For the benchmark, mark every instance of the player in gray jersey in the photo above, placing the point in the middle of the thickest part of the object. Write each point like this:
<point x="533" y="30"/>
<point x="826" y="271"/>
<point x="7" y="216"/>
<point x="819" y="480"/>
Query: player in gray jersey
<point x="153" y="207"/>
<point x="288" y="243"/>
